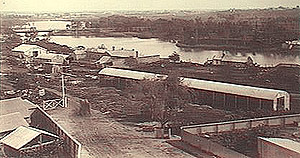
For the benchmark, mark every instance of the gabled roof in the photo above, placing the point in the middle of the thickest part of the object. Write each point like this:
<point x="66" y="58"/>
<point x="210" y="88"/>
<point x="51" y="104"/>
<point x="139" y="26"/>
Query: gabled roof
<point x="11" y="121"/>
<point x="23" y="135"/>
<point x="122" y="53"/>
<point x="26" y="47"/>
<point x="242" y="90"/>
<point x="51" y="56"/>
<point x="104" y="60"/>
<point x="16" y="105"/>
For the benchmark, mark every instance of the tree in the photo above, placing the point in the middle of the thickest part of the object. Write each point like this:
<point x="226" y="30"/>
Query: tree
<point x="164" y="97"/>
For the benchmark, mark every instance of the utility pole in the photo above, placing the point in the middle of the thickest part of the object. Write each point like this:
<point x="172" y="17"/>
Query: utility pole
<point x="63" y="90"/>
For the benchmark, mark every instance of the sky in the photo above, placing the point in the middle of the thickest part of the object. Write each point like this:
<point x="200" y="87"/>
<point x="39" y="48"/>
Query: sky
<point x="103" y="5"/>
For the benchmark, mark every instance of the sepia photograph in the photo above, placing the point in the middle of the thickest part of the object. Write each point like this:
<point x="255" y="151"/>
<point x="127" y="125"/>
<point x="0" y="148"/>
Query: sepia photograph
<point x="150" y="79"/>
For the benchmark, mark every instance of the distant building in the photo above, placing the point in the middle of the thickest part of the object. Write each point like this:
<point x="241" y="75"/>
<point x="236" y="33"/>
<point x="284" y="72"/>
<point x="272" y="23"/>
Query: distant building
<point x="226" y="60"/>
<point x="40" y="58"/>
<point x="123" y="53"/>
<point x="28" y="50"/>
<point x="79" y="52"/>
<point x="277" y="148"/>
<point x="113" y="61"/>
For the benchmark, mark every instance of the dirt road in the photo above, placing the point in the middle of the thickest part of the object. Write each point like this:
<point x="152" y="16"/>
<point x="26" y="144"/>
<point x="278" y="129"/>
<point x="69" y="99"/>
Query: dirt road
<point x="104" y="137"/>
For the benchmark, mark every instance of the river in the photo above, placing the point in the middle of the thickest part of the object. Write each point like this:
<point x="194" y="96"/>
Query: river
<point x="155" y="46"/>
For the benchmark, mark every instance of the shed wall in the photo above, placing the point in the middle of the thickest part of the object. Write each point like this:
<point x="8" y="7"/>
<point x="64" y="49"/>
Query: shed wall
<point x="269" y="150"/>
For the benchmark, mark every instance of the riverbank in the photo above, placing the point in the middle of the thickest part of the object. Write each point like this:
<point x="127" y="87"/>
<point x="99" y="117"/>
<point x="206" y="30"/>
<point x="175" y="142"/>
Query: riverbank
<point x="103" y="33"/>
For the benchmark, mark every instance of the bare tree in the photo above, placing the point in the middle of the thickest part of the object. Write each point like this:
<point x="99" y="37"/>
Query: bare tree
<point x="164" y="97"/>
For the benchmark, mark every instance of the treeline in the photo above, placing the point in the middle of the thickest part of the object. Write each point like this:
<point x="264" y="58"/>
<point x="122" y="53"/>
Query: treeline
<point x="264" y="31"/>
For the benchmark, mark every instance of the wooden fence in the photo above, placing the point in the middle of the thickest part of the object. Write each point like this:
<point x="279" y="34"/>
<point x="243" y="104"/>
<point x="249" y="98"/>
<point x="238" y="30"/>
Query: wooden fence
<point x="242" y="124"/>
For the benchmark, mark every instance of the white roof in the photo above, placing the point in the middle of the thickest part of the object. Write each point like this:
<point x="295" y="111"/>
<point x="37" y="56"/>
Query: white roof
<point x="21" y="136"/>
<point x="11" y="121"/>
<point x="138" y="75"/>
<point x="242" y="90"/>
<point x="26" y="47"/>
<point x="286" y="143"/>
<point x="122" y="53"/>
<point x="104" y="59"/>
<point x="51" y="56"/>
<point x="256" y="92"/>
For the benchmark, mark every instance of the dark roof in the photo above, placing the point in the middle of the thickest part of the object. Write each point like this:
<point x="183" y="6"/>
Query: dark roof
<point x="11" y="121"/>
<point x="24" y="107"/>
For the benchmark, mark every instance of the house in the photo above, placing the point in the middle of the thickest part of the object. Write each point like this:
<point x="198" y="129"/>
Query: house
<point x="227" y="60"/>
<point x="52" y="57"/>
<point x="32" y="51"/>
<point x="28" y="50"/>
<point x="122" y="53"/>
<point x="25" y="141"/>
<point x="117" y="61"/>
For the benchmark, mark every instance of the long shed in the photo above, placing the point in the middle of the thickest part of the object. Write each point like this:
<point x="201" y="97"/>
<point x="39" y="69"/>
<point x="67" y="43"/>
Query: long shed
<point x="278" y="98"/>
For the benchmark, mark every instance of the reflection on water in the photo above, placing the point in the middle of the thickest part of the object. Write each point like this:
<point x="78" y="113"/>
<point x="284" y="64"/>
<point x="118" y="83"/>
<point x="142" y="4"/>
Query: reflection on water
<point x="155" y="46"/>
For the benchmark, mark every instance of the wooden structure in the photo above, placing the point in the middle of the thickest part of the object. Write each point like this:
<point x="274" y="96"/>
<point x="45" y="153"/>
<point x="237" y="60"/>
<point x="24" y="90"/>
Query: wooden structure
<point x="277" y="147"/>
<point x="218" y="94"/>
<point x="229" y="126"/>
<point x="71" y="147"/>
<point x="10" y="122"/>
<point x="17" y="105"/>
<point x="28" y="141"/>
<point x="54" y="103"/>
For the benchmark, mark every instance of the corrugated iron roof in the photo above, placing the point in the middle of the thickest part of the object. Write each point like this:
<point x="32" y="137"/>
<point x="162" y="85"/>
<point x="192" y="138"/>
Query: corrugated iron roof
<point x="242" y="90"/>
<point x="23" y="135"/>
<point x="11" y="121"/>
<point x="229" y="88"/>
<point x="26" y="47"/>
<point x="16" y="105"/>
<point x="20" y="137"/>
<point x="138" y="75"/>
<point x="286" y="143"/>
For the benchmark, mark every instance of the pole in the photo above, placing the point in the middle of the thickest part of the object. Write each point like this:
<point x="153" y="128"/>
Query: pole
<point x="63" y="89"/>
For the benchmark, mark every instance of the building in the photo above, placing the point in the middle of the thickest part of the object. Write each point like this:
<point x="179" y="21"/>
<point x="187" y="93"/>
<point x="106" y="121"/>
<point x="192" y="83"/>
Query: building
<point x="226" y="60"/>
<point x="29" y="50"/>
<point x="125" y="62"/>
<point x="11" y="121"/>
<point x="277" y="148"/>
<point x="14" y="105"/>
<point x="26" y="141"/>
<point x="14" y="112"/>
<point x="51" y="57"/>
<point x="210" y="137"/>
<point x="32" y="51"/>
<point x="218" y="94"/>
